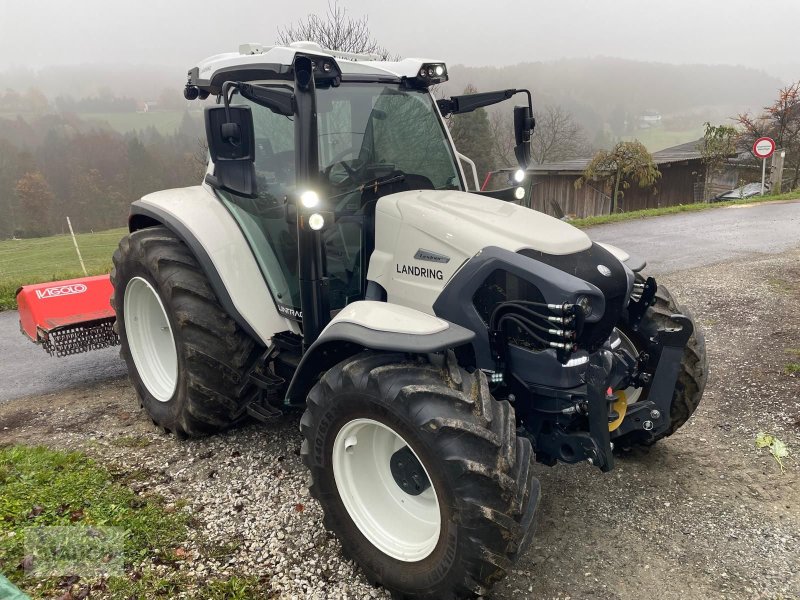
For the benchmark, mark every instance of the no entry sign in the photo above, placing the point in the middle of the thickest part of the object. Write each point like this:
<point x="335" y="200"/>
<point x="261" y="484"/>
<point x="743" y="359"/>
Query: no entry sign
<point x="764" y="147"/>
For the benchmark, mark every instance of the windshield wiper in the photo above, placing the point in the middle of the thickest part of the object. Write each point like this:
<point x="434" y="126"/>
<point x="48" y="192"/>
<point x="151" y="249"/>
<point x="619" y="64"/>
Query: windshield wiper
<point x="374" y="184"/>
<point x="378" y="182"/>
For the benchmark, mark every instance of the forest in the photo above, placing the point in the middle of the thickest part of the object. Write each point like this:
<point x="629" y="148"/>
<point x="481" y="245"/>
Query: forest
<point x="55" y="165"/>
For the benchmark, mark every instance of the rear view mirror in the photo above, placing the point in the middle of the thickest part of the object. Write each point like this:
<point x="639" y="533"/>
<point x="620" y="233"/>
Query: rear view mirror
<point x="523" y="129"/>
<point x="231" y="143"/>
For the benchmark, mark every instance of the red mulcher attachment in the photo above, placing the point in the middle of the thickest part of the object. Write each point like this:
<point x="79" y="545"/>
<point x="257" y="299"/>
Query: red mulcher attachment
<point x="68" y="317"/>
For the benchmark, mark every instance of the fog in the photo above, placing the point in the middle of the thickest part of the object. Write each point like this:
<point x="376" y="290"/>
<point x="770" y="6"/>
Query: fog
<point x="176" y="34"/>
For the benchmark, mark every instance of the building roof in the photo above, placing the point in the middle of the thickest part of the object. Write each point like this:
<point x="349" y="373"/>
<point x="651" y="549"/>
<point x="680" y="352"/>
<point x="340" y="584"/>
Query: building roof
<point x="681" y="153"/>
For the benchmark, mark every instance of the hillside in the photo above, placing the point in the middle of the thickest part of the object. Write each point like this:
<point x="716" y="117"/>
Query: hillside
<point x="605" y="93"/>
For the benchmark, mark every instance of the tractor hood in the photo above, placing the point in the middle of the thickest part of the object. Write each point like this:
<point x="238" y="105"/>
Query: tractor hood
<point x="422" y="238"/>
<point x="470" y="222"/>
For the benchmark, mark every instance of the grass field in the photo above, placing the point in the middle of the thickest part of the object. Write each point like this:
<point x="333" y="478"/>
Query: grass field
<point x="657" y="139"/>
<point x="165" y="121"/>
<point x="52" y="258"/>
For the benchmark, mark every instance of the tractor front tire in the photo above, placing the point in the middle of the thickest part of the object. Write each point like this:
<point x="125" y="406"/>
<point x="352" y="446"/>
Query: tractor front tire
<point x="420" y="474"/>
<point x="693" y="372"/>
<point x="186" y="356"/>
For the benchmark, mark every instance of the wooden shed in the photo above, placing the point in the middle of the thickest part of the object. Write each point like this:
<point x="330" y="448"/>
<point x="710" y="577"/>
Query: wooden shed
<point x="683" y="181"/>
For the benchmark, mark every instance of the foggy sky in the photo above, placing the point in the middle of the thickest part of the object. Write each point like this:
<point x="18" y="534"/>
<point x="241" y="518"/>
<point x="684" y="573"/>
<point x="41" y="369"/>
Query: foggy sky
<point x="178" y="33"/>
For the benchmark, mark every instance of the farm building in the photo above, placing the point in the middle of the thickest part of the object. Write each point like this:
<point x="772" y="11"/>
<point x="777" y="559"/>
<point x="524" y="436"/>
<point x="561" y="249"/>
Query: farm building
<point x="683" y="181"/>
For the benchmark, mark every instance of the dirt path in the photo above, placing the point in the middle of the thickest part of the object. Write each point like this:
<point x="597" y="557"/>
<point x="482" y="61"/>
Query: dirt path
<point x="703" y="514"/>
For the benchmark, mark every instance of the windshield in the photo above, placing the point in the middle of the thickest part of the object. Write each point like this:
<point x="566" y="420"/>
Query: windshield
<point x="374" y="140"/>
<point x="381" y="134"/>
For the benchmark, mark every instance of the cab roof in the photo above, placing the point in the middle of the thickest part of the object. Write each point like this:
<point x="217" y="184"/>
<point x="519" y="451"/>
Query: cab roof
<point x="259" y="62"/>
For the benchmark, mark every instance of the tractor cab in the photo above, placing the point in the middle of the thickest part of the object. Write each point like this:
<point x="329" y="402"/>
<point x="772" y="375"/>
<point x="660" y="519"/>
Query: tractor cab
<point x="374" y="139"/>
<point x="305" y="143"/>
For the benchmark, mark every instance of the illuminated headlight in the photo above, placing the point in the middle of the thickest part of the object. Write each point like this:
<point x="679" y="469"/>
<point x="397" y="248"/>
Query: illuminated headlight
<point x="316" y="221"/>
<point x="309" y="199"/>
<point x="519" y="175"/>
<point x="519" y="193"/>
<point x="433" y="73"/>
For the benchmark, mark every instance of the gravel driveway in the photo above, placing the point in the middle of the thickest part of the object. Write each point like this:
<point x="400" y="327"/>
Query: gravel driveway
<point x="703" y="514"/>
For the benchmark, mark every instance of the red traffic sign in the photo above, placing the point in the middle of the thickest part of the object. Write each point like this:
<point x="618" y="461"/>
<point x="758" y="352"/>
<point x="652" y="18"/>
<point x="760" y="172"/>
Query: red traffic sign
<point x="764" y="147"/>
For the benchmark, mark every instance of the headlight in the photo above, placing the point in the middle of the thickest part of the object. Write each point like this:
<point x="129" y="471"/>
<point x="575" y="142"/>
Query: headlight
<point x="309" y="199"/>
<point x="316" y="221"/>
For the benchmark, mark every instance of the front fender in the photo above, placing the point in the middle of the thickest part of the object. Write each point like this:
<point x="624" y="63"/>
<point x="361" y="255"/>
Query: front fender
<point x="634" y="263"/>
<point x="376" y="326"/>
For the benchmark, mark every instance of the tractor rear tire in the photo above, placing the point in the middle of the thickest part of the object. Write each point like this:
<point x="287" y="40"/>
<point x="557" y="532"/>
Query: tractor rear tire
<point x="693" y="372"/>
<point x="193" y="383"/>
<point x="453" y="539"/>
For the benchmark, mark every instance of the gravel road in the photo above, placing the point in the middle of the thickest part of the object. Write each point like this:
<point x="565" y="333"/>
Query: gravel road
<point x="668" y="243"/>
<point x="687" y="240"/>
<point x="703" y="514"/>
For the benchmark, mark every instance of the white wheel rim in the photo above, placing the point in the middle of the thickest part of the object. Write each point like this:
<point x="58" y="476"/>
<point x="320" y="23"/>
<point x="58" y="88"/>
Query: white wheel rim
<point x="400" y="525"/>
<point x="632" y="394"/>
<point x="150" y="339"/>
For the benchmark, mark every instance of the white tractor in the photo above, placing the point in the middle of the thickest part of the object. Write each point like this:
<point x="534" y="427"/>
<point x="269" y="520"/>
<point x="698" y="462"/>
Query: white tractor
<point x="439" y="340"/>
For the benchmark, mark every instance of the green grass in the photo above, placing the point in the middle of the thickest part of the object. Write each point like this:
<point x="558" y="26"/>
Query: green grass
<point x="39" y="260"/>
<point x="657" y="138"/>
<point x="165" y="121"/>
<point x="146" y="588"/>
<point x="670" y="210"/>
<point x="47" y="488"/>
<point x="792" y="368"/>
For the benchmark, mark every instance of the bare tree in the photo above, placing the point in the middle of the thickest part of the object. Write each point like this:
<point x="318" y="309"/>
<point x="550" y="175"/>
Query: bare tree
<point x="501" y="137"/>
<point x="334" y="30"/>
<point x="780" y="121"/>
<point x="557" y="136"/>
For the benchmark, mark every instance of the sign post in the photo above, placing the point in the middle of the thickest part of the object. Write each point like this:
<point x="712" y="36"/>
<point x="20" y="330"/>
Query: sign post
<point x="763" y="148"/>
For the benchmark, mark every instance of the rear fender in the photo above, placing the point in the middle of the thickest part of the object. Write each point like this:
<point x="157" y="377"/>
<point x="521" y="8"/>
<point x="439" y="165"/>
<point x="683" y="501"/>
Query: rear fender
<point x="200" y="219"/>
<point x="376" y="326"/>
